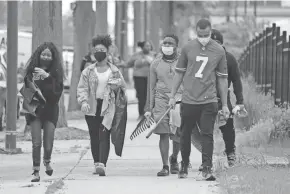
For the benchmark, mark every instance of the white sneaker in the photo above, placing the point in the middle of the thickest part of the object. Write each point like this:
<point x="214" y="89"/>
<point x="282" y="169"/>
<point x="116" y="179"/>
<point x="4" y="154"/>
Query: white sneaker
<point x="100" y="169"/>
<point x="96" y="166"/>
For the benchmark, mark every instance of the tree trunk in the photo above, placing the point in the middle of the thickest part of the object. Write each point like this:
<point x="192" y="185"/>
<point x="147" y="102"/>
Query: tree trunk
<point x="101" y="18"/>
<point x="83" y="17"/>
<point x="124" y="32"/>
<point x="147" y="15"/>
<point x="155" y="22"/>
<point x="139" y="22"/>
<point x="167" y="17"/>
<point x="118" y="20"/>
<point x="47" y="26"/>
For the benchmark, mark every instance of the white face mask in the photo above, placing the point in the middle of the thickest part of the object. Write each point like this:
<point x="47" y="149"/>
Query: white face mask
<point x="203" y="41"/>
<point x="167" y="50"/>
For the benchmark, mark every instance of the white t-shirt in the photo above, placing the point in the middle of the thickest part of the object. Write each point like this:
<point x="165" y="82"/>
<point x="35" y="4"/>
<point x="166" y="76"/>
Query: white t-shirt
<point x="102" y="82"/>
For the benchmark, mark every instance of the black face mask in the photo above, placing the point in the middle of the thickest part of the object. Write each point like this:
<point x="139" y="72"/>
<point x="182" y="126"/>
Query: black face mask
<point x="100" y="56"/>
<point x="45" y="64"/>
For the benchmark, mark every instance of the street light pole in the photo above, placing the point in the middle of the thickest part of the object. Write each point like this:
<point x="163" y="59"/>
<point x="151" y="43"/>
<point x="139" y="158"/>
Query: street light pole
<point x="12" y="54"/>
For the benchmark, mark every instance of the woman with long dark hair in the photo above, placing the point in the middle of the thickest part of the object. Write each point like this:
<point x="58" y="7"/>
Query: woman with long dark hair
<point x="140" y="62"/>
<point x="97" y="92"/>
<point x="45" y="71"/>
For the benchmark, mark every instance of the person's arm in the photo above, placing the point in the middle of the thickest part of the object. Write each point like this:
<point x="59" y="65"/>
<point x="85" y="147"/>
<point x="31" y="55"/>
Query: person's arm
<point x="152" y="80"/>
<point x="222" y="79"/>
<point x="235" y="76"/>
<point x="131" y="61"/>
<point x="180" y="70"/>
<point x="53" y="89"/>
<point x="83" y="88"/>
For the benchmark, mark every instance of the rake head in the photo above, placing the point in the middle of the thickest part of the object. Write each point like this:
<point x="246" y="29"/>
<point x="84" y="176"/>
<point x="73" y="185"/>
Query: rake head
<point x="142" y="126"/>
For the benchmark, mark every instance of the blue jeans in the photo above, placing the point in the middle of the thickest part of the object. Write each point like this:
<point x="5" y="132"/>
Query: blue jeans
<point x="48" y="137"/>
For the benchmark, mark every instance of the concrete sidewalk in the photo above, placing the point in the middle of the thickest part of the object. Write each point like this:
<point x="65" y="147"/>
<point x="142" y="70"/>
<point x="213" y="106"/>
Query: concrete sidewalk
<point x="134" y="173"/>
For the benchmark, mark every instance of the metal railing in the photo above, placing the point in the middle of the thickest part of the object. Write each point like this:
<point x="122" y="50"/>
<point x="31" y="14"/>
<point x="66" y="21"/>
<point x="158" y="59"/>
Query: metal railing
<point x="267" y="58"/>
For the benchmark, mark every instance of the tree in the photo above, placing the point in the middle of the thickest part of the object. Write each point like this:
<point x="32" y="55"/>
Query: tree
<point x="3" y="12"/>
<point x="47" y="26"/>
<point x="167" y="18"/>
<point x="155" y="22"/>
<point x="139" y="22"/>
<point x="83" y="19"/>
<point x="101" y="26"/>
<point x="25" y="13"/>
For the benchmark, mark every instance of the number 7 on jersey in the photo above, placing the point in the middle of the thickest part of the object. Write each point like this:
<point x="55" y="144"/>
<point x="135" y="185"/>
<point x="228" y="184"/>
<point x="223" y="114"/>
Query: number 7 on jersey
<point x="204" y="61"/>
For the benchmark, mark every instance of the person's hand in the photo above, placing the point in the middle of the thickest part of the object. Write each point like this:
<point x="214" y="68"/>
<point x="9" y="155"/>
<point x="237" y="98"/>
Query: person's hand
<point x="147" y="115"/>
<point x="149" y="58"/>
<point x="240" y="110"/>
<point x="41" y="72"/>
<point x="85" y="108"/>
<point x="226" y="112"/>
<point x="172" y="103"/>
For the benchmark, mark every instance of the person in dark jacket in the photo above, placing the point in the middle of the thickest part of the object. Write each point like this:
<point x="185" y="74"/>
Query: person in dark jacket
<point x="234" y="77"/>
<point x="228" y="130"/>
<point x="45" y="70"/>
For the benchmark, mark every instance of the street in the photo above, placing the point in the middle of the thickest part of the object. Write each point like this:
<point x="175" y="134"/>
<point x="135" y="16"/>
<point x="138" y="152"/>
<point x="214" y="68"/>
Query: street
<point x="134" y="173"/>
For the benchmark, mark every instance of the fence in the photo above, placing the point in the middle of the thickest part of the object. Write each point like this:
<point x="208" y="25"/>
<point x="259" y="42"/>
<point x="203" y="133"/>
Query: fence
<point x="267" y="58"/>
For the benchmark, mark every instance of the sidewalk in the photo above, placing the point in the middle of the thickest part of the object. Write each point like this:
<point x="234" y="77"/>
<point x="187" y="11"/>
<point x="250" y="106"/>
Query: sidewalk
<point x="134" y="173"/>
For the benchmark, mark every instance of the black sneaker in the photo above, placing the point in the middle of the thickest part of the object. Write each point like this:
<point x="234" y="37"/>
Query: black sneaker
<point x="207" y="174"/>
<point x="231" y="159"/>
<point x="36" y="177"/>
<point x="164" y="171"/>
<point x="174" y="168"/>
<point x="183" y="172"/>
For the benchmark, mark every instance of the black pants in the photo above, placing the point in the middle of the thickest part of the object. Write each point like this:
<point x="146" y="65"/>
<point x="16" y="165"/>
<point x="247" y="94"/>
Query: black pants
<point x="141" y="92"/>
<point x="204" y="115"/>
<point x="99" y="135"/>
<point x="228" y="131"/>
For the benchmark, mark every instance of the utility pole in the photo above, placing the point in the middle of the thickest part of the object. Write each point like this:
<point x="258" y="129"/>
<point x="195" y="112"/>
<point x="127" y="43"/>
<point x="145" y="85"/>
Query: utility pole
<point x="12" y="54"/>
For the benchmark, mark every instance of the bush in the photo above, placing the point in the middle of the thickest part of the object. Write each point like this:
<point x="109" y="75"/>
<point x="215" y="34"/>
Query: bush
<point x="259" y="106"/>
<point x="265" y="121"/>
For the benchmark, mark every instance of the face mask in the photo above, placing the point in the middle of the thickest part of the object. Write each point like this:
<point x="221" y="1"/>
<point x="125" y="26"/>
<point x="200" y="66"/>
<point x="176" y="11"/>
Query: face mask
<point x="203" y="41"/>
<point x="100" y="56"/>
<point x="167" y="50"/>
<point x="44" y="64"/>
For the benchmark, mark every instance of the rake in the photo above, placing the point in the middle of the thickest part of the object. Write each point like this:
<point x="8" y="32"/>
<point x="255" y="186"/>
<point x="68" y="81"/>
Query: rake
<point x="149" y="123"/>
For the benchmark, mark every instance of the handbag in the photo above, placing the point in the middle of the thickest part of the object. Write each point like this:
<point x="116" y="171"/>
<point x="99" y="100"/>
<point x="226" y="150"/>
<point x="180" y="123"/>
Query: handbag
<point x="32" y="98"/>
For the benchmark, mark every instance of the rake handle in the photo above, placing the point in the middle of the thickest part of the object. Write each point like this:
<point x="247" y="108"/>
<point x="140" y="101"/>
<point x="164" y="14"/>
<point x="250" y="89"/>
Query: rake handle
<point x="151" y="131"/>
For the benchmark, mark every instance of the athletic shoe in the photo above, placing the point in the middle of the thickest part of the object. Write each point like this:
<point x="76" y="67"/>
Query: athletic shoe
<point x="200" y="168"/>
<point x="100" y="169"/>
<point x="48" y="168"/>
<point x="231" y="159"/>
<point x="164" y="171"/>
<point x="174" y="168"/>
<point x="207" y="174"/>
<point x="36" y="177"/>
<point x="183" y="172"/>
